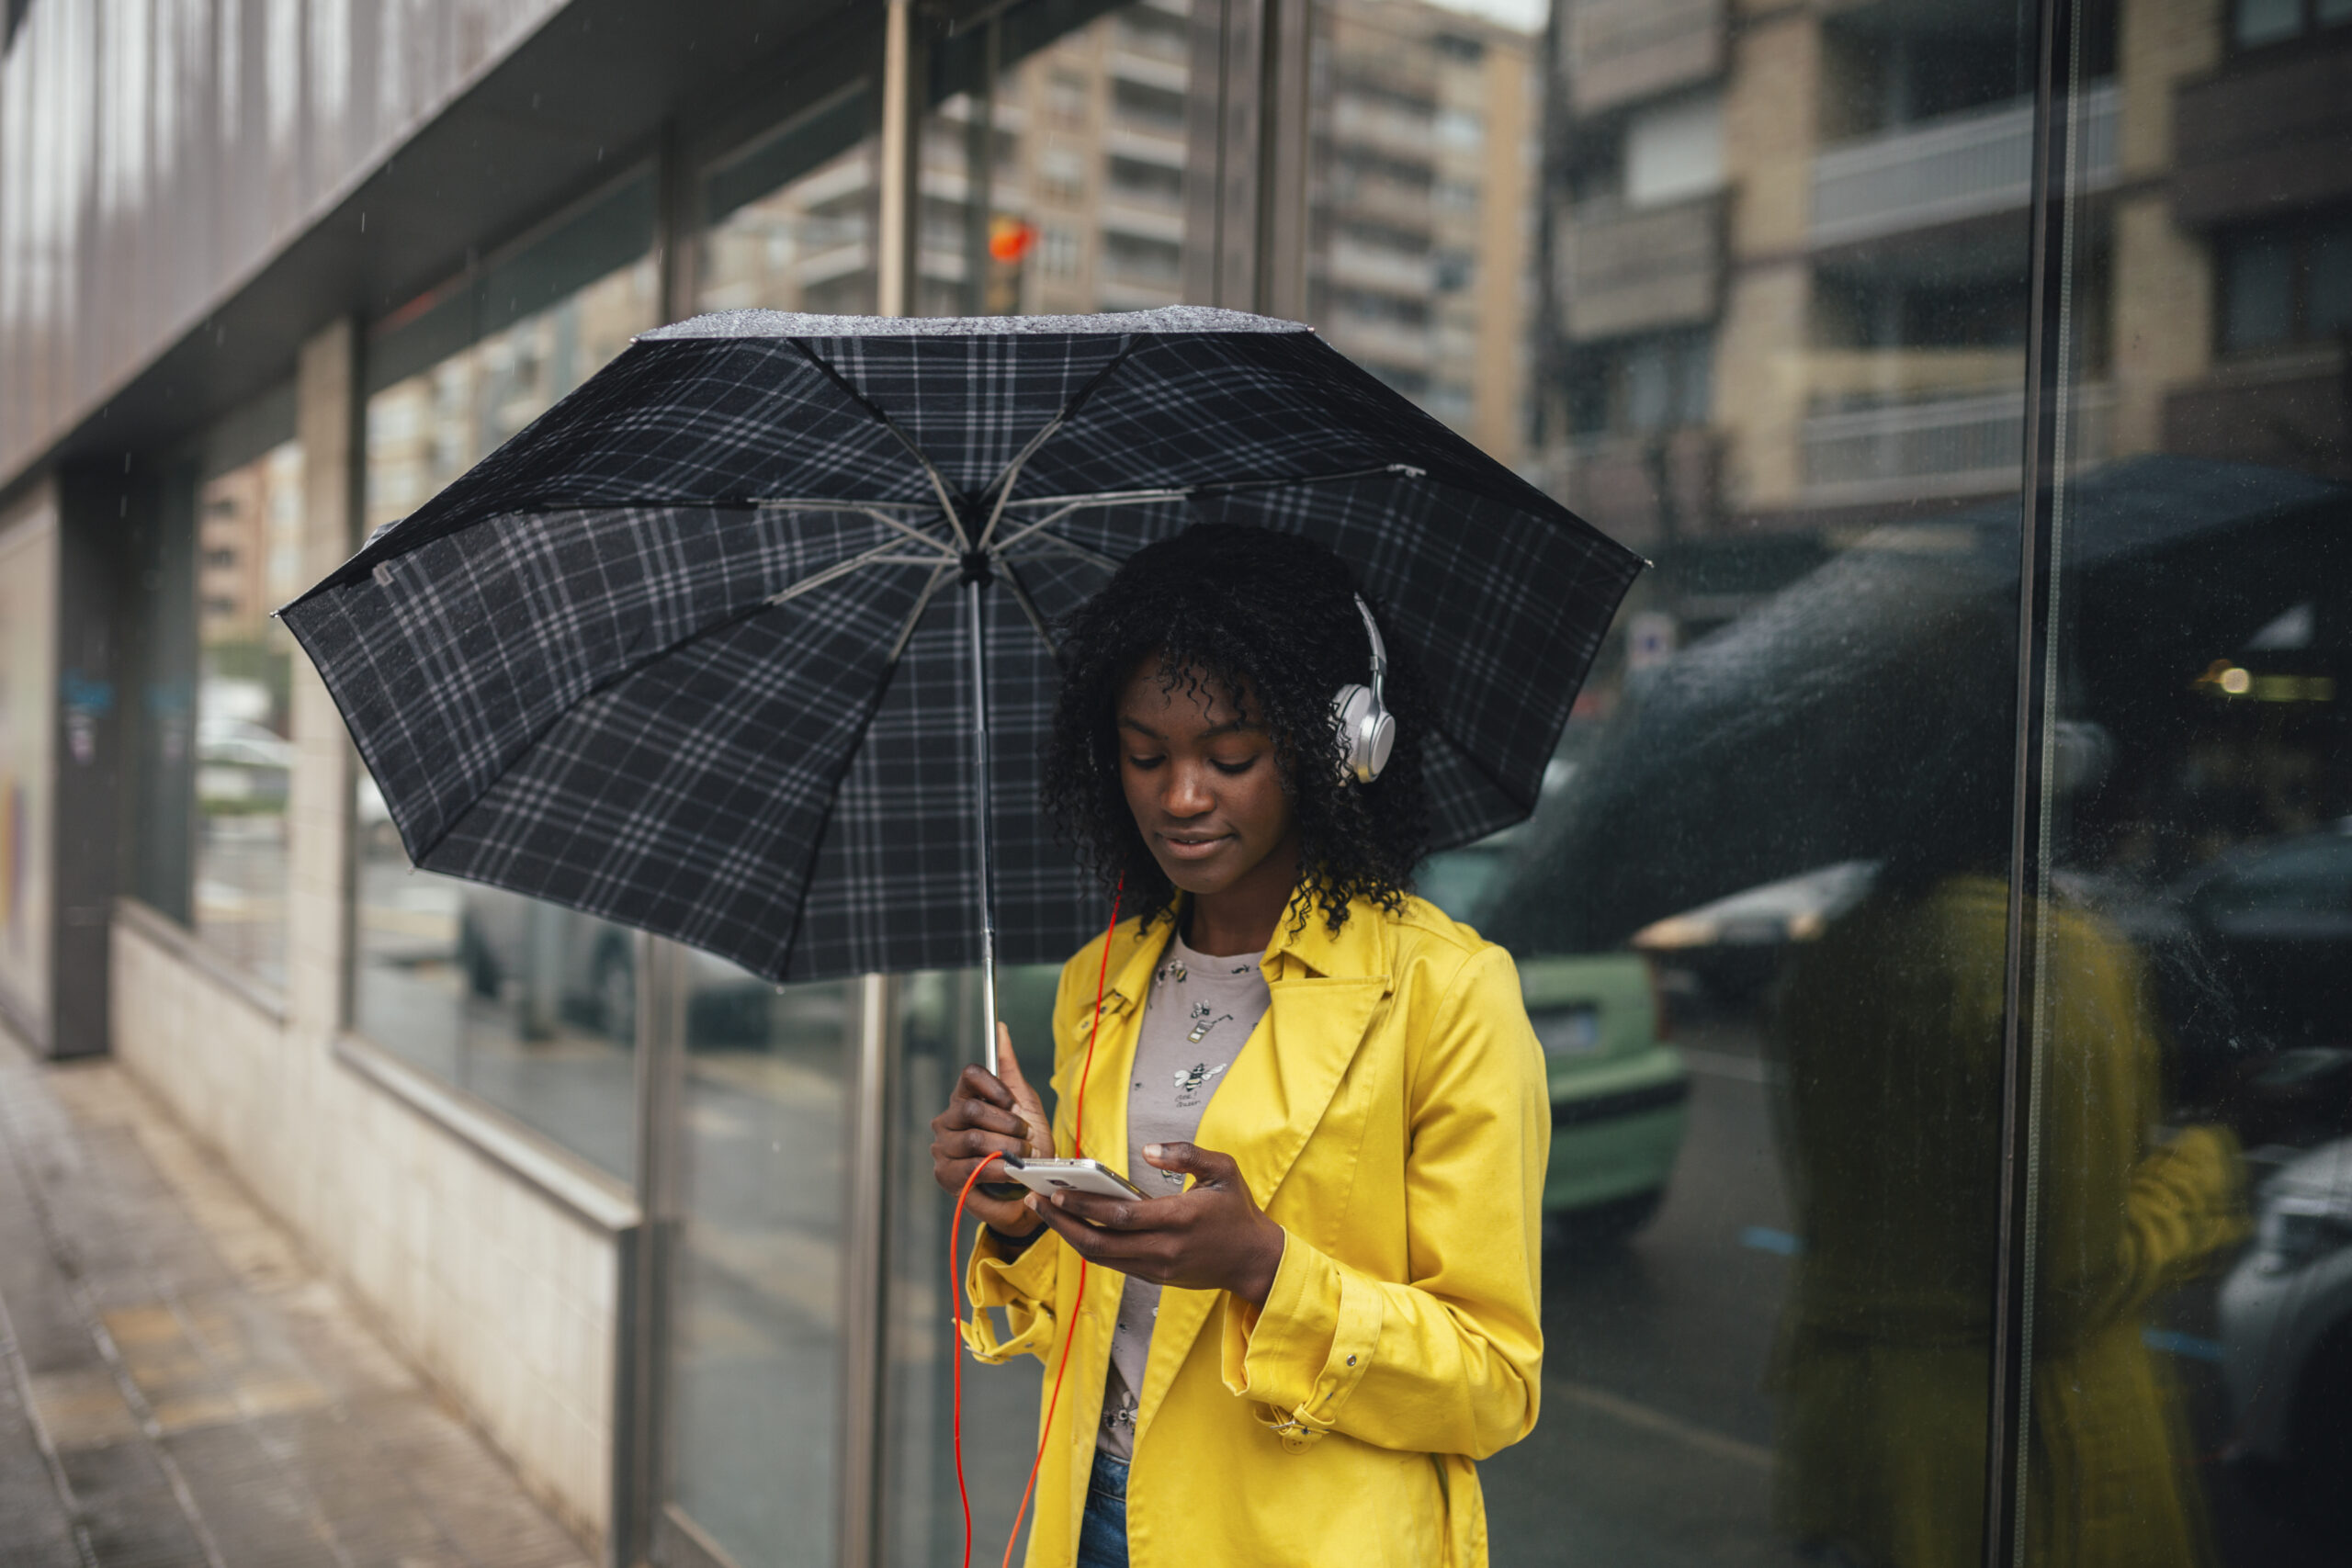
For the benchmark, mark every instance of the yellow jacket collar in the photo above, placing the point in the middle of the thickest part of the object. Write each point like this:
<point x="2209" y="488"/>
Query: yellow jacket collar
<point x="1360" y="950"/>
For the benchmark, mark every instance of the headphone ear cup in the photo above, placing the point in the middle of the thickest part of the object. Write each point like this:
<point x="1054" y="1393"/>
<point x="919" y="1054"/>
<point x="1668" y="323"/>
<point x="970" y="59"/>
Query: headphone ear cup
<point x="1379" y="742"/>
<point x="1367" y="733"/>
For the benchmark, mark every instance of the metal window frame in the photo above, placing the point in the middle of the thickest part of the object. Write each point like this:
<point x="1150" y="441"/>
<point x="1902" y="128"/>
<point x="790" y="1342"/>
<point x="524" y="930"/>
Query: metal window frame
<point x="2050" y="371"/>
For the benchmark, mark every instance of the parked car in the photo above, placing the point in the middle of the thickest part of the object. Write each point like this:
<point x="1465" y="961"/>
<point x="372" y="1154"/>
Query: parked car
<point x="2247" y="953"/>
<point x="1620" y="1091"/>
<point x="241" y="766"/>
<point x="2286" y="1332"/>
<point x="1728" y="952"/>
<point x="556" y="966"/>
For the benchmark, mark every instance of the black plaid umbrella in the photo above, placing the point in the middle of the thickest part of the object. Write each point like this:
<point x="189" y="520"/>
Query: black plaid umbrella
<point x="710" y="648"/>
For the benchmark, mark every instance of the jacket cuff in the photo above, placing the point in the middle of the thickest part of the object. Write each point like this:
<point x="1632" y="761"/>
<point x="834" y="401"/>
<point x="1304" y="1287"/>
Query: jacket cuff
<point x="1023" y="1286"/>
<point x="1300" y="1356"/>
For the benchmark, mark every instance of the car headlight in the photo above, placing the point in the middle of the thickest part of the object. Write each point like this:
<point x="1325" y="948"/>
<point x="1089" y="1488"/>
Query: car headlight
<point x="2295" y="1231"/>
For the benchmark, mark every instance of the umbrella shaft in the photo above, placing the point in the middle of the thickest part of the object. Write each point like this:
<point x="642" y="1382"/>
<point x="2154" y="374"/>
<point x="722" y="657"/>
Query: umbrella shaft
<point x="987" y="824"/>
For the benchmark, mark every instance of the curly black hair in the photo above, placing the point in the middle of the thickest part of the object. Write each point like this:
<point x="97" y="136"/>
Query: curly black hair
<point x="1257" y="612"/>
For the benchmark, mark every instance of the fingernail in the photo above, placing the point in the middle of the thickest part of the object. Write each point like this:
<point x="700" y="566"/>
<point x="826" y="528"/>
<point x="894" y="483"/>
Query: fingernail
<point x="1151" y="1151"/>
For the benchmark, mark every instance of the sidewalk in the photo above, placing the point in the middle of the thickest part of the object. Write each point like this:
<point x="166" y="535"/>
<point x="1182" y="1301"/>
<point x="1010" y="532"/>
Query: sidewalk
<point x="179" y="1386"/>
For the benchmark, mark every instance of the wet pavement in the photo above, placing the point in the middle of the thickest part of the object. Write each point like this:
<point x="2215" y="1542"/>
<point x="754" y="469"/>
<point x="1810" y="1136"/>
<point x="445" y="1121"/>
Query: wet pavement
<point x="181" y="1386"/>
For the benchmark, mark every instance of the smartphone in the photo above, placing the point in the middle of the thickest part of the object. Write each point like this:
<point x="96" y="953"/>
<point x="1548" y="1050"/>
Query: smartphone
<point x="1048" y="1177"/>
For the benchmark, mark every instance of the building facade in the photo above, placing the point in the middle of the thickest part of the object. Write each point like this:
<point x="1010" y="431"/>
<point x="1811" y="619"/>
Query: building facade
<point x="1957" y="813"/>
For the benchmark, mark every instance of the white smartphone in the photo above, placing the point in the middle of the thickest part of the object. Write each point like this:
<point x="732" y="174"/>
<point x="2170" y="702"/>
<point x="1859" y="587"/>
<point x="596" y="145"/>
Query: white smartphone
<point x="1048" y="1177"/>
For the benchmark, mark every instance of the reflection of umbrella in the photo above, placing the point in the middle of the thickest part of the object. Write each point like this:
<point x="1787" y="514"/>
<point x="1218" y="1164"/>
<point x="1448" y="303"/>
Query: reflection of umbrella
<point x="695" y="650"/>
<point x="1868" y="711"/>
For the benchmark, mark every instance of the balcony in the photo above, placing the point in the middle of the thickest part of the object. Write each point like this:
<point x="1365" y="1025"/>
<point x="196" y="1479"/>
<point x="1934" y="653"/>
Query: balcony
<point x="1619" y="50"/>
<point x="1963" y="166"/>
<point x="1634" y="271"/>
<point x="1973" y="445"/>
<point x="1350" y="265"/>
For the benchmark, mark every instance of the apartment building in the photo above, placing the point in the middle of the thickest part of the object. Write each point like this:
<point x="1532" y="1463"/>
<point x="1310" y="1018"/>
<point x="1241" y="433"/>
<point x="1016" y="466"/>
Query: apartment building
<point x="1790" y="243"/>
<point x="1421" y="237"/>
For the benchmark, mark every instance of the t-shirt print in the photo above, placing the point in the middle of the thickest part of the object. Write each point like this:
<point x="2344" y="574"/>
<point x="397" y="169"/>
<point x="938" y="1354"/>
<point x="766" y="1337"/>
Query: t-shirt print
<point x="1199" y="1015"/>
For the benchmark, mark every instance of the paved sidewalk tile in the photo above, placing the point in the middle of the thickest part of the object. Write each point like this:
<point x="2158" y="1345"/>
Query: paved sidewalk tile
<point x="181" y="1388"/>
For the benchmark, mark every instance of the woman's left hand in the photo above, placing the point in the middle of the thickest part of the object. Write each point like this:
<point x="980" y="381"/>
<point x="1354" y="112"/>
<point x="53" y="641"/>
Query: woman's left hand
<point x="1211" y="1237"/>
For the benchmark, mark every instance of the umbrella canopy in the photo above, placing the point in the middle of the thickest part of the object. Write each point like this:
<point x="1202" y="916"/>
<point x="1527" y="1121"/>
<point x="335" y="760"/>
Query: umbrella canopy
<point x="1867" y="711"/>
<point x="705" y="649"/>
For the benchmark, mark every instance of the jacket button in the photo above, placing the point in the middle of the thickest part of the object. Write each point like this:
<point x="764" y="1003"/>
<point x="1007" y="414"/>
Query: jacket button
<point x="1351" y="1360"/>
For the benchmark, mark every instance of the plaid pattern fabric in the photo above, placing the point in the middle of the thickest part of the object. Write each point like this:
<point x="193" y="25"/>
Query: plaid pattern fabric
<point x="572" y="676"/>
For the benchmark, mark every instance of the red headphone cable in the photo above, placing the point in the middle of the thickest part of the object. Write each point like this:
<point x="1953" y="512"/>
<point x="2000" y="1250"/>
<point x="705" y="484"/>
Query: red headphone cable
<point x="956" y="1274"/>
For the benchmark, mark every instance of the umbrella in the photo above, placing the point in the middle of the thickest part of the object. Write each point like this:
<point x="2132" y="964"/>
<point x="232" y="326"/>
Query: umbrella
<point x="1867" y="711"/>
<point x="748" y="642"/>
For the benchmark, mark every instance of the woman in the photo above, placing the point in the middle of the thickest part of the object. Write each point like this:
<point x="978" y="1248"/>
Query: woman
<point x="1326" y="1310"/>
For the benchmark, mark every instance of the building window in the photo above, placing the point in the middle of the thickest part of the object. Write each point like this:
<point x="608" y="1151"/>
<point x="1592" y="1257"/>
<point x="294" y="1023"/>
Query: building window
<point x="248" y="561"/>
<point x="1058" y="251"/>
<point x="1643" y="386"/>
<point x="788" y="218"/>
<point x="2282" y="286"/>
<point x="526" y="1005"/>
<point x="2255" y="24"/>
<point x="1674" y="150"/>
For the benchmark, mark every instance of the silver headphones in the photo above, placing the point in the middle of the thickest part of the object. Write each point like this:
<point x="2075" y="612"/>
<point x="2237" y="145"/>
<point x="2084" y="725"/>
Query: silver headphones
<point x="1367" y="729"/>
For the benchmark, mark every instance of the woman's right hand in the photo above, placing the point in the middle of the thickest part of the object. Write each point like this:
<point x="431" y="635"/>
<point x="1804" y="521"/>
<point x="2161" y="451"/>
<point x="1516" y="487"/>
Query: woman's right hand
<point x="988" y="1114"/>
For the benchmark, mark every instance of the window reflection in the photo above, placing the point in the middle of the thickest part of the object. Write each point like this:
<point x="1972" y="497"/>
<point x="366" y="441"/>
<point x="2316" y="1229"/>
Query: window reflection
<point x="248" y="561"/>
<point x="527" y="1005"/>
<point x="755" y="1357"/>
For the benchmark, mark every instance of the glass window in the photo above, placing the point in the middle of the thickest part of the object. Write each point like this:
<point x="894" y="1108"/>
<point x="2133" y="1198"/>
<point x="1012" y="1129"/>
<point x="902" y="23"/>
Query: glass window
<point x="790" y="219"/>
<point x="248" y="562"/>
<point x="753" y="1375"/>
<point x="2266" y="21"/>
<point x="2189" y="1338"/>
<point x="1760" y="913"/>
<point x="2259" y="308"/>
<point x="529" y="1005"/>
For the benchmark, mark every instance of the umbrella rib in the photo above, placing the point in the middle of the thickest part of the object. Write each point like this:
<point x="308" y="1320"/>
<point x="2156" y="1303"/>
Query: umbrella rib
<point x="1039" y="524"/>
<point x="1029" y="608"/>
<point x="1092" y="557"/>
<point x="865" y="510"/>
<point x="878" y="556"/>
<point x="1002" y="489"/>
<point x="1180" y="492"/>
<point x="923" y="603"/>
<point x="938" y="481"/>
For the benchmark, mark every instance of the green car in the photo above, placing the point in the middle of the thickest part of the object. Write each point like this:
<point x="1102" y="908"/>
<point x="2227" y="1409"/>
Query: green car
<point x="1620" y="1092"/>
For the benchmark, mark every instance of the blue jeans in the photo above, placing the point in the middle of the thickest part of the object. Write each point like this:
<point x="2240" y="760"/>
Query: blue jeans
<point x="1103" y="1534"/>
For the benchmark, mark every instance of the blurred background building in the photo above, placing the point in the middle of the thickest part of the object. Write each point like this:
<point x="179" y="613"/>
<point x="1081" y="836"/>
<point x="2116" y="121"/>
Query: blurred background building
<point x="1845" y="312"/>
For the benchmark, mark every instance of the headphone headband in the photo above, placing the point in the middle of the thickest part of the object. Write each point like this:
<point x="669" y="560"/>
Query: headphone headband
<point x="1367" y="729"/>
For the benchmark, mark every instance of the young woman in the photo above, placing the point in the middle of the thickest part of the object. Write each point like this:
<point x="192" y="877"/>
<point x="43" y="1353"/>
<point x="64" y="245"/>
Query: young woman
<point x="1325" y="1311"/>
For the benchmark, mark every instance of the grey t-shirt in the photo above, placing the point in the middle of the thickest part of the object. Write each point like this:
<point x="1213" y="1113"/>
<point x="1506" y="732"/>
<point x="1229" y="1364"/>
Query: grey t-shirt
<point x="1200" y="1012"/>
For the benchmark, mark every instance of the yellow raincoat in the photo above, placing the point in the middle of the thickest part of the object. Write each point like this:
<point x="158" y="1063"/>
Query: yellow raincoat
<point x="1390" y="1112"/>
<point x="1890" y="1031"/>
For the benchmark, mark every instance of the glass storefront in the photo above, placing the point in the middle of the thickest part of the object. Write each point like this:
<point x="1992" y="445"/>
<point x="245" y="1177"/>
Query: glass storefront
<point x="2187" y="878"/>
<point x="529" y="1005"/>
<point x="1932" y="913"/>
<point x="248" y="562"/>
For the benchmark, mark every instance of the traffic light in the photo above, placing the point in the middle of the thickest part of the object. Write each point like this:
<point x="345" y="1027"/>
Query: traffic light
<point x="1010" y="239"/>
